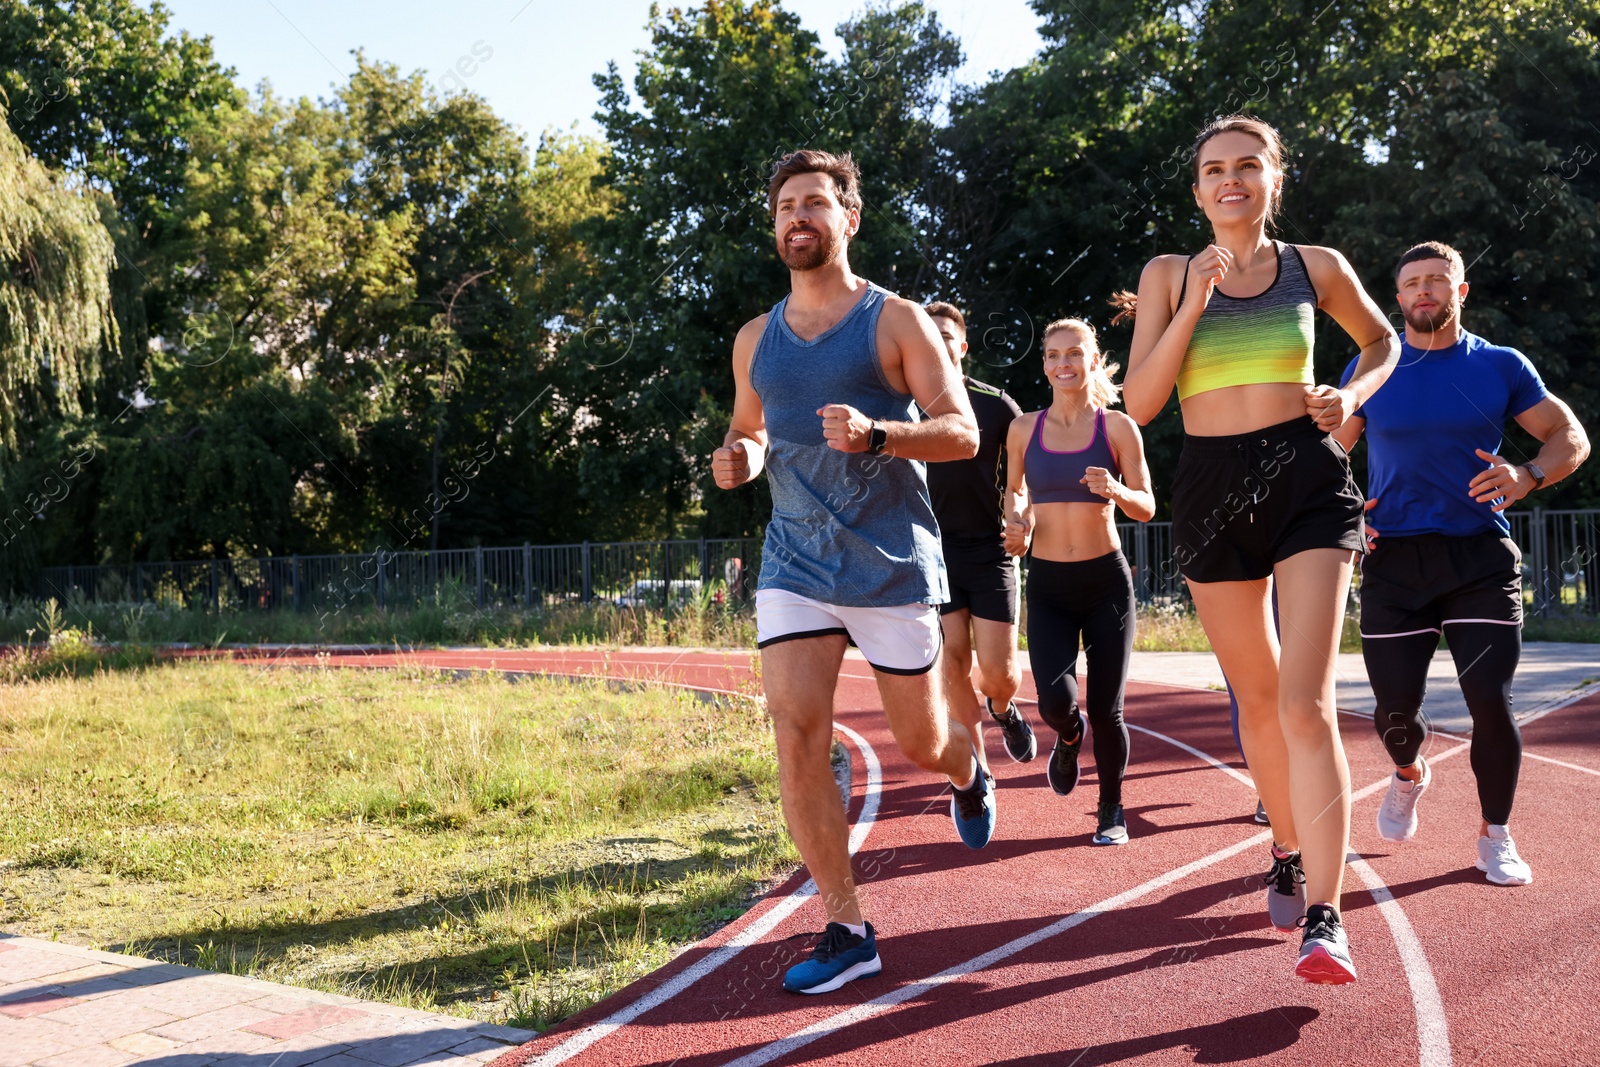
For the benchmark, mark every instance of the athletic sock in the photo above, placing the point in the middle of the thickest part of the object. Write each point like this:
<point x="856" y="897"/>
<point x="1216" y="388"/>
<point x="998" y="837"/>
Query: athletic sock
<point x="1280" y="854"/>
<point x="859" y="929"/>
<point x="970" y="781"/>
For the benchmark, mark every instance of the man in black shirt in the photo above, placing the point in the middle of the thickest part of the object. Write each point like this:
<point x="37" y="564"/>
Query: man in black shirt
<point x="982" y="613"/>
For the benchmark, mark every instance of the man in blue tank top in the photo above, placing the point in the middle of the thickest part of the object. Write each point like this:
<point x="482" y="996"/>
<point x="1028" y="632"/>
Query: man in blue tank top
<point x="1445" y="563"/>
<point x="827" y="390"/>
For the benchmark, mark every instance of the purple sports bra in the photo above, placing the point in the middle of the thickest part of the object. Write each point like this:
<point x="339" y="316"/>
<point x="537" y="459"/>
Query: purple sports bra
<point x="1053" y="477"/>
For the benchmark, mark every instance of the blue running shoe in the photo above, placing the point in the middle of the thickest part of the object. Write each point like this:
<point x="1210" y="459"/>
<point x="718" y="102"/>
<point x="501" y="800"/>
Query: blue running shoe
<point x="972" y="810"/>
<point x="839" y="957"/>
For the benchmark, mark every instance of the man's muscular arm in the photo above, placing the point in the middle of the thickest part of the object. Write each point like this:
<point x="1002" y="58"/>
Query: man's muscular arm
<point x="744" y="446"/>
<point x="910" y="351"/>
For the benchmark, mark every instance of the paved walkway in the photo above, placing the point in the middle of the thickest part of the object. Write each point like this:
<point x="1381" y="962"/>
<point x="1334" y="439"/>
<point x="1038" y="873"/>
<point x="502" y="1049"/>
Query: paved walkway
<point x="1551" y="672"/>
<point x="62" y="1006"/>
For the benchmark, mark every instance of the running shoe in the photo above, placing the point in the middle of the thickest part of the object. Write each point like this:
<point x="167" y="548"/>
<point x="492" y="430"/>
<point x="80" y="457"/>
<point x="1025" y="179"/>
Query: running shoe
<point x="972" y="810"/>
<point x="1324" y="949"/>
<point x="1261" y="814"/>
<point x="1063" y="769"/>
<point x="1113" y="827"/>
<point x="1397" y="816"/>
<point x="1286" y="891"/>
<point x="840" y="957"/>
<point x="1497" y="857"/>
<point x="1021" y="745"/>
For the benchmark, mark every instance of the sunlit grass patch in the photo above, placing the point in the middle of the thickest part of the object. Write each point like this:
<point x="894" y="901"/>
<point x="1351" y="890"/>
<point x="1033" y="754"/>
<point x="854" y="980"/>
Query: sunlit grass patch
<point x="506" y="851"/>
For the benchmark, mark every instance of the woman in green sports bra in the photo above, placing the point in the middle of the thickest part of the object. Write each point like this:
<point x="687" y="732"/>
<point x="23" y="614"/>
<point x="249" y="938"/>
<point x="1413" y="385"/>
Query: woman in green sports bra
<point x="1263" y="492"/>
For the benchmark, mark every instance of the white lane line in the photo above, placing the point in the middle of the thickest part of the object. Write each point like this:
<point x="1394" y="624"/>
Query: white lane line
<point x="1583" y="692"/>
<point x="1433" y="1031"/>
<point x="1218" y="764"/>
<point x="740" y="941"/>
<point x="1436" y="732"/>
<point x="862" y="1012"/>
<point x="1561" y="763"/>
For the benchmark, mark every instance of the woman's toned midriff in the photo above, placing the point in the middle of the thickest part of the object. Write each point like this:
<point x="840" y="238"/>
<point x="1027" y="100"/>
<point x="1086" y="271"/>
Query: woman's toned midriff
<point x="1242" y="408"/>
<point x="1070" y="533"/>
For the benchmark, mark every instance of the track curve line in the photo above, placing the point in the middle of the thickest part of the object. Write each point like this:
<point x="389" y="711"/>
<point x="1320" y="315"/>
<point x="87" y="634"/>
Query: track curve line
<point x="750" y="935"/>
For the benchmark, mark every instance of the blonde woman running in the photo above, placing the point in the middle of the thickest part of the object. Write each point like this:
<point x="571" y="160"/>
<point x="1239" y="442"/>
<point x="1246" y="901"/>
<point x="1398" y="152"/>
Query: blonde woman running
<point x="1078" y="460"/>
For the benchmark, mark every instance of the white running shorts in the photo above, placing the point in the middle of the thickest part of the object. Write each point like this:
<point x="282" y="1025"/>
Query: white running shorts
<point x="903" y="639"/>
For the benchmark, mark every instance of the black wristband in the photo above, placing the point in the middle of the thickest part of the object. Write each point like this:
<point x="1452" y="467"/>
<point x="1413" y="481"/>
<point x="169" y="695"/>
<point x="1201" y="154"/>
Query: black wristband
<point x="877" y="438"/>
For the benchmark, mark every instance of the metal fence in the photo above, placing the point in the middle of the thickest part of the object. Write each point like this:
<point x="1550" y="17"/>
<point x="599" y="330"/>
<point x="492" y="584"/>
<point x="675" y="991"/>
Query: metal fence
<point x="1560" y="563"/>
<point x="658" y="573"/>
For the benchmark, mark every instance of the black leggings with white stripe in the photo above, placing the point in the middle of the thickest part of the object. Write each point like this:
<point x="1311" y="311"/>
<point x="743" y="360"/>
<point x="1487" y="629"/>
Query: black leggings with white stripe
<point x="1486" y="656"/>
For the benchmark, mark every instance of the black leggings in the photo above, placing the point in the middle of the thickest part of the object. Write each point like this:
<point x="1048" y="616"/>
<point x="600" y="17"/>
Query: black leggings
<point x="1094" y="599"/>
<point x="1486" y="656"/>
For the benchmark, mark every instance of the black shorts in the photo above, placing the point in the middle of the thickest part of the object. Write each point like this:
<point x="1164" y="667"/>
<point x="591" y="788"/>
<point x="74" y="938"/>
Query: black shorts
<point x="983" y="580"/>
<point x="1244" y="502"/>
<point x="1413" y="585"/>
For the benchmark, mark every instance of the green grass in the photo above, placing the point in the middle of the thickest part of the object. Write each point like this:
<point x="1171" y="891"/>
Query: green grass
<point x="1573" y="629"/>
<point x="508" y="852"/>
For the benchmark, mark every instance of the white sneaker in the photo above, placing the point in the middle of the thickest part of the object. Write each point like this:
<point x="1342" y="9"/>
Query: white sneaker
<point x="1397" y="815"/>
<point x="1497" y="857"/>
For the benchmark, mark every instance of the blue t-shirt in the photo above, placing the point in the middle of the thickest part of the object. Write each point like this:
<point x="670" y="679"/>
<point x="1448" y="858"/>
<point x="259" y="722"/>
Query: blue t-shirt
<point x="1423" y="425"/>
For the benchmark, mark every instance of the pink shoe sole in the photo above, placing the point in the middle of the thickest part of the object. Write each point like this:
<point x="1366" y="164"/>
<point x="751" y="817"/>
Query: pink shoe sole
<point x="1320" y="968"/>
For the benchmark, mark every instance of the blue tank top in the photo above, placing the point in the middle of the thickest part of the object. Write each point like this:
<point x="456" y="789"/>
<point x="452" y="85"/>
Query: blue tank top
<point x="848" y="528"/>
<point x="1053" y="477"/>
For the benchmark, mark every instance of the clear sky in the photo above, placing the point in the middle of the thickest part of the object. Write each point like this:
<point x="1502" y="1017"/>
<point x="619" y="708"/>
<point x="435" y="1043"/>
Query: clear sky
<point x="533" y="60"/>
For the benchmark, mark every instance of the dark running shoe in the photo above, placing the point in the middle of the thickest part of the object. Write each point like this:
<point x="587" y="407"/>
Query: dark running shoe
<point x="1261" y="814"/>
<point x="1063" y="769"/>
<point x="1286" y="891"/>
<point x="1324" y="949"/>
<point x="1113" y="827"/>
<point x="839" y="957"/>
<point x="972" y="810"/>
<point x="1021" y="745"/>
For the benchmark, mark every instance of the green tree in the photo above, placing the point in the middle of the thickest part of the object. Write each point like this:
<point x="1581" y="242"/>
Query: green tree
<point x="721" y="94"/>
<point x="55" y="325"/>
<point x="1404" y="123"/>
<point x="98" y="89"/>
<point x="55" y="294"/>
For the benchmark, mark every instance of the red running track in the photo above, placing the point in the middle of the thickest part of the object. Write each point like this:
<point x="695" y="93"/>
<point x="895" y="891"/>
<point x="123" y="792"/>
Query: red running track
<point x="1044" y="949"/>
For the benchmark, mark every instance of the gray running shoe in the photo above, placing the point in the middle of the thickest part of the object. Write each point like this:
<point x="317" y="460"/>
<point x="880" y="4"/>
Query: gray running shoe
<point x="1324" y="949"/>
<point x="1021" y="745"/>
<point x="1397" y="815"/>
<point x="1261" y="814"/>
<point x="1286" y="892"/>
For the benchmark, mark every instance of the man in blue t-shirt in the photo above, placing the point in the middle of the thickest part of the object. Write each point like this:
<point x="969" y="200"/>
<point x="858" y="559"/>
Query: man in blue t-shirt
<point x="1437" y="490"/>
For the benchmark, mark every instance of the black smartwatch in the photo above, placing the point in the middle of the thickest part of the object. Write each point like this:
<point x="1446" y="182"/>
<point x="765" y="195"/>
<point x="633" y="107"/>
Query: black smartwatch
<point x="1537" y="472"/>
<point x="877" y="438"/>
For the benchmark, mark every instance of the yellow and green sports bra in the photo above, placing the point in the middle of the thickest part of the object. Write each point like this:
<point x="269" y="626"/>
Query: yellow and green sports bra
<point x="1253" y="340"/>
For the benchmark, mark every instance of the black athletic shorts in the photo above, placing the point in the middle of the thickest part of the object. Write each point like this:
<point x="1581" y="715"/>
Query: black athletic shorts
<point x="983" y="580"/>
<point x="1243" y="502"/>
<point x="1413" y="585"/>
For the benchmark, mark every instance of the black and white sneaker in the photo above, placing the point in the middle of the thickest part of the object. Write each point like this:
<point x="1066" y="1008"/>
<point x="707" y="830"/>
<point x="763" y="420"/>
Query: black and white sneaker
<point x="1324" y="949"/>
<point x="1113" y="827"/>
<point x="1021" y="745"/>
<point x="1062" y="772"/>
<point x="1286" y="891"/>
